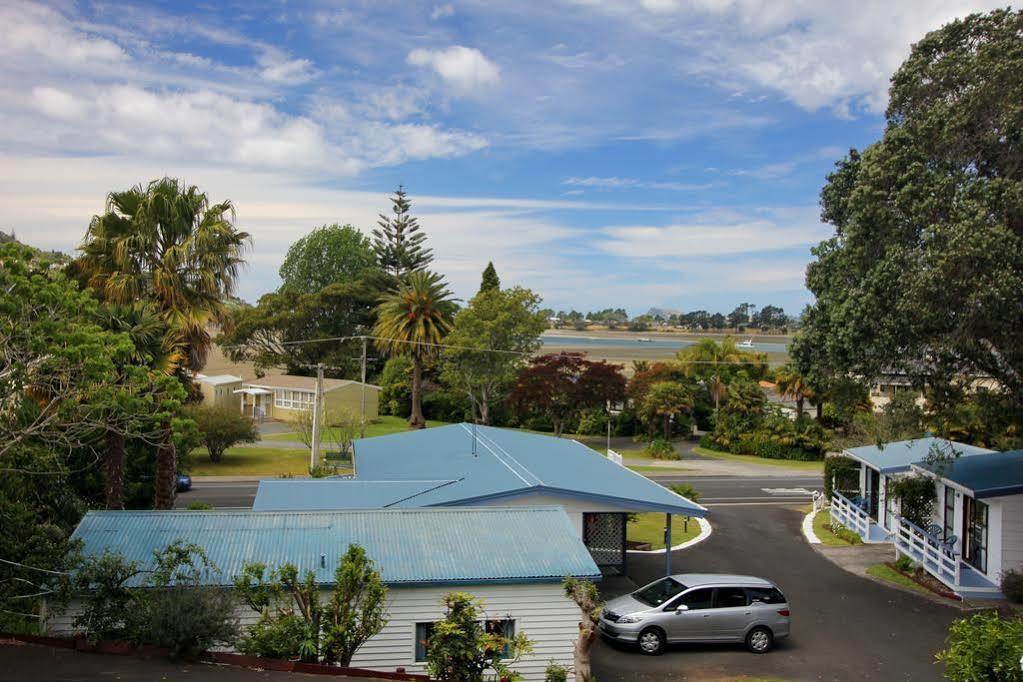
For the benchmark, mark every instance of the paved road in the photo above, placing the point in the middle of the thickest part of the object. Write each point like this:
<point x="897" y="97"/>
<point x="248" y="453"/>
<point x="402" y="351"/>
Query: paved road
<point x="844" y="627"/>
<point x="716" y="490"/>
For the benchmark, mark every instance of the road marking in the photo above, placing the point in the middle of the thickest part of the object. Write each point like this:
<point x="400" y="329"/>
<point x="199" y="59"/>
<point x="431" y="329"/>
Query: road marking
<point x="787" y="491"/>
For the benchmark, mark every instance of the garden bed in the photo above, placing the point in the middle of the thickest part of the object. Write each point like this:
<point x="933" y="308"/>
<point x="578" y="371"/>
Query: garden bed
<point x="926" y="581"/>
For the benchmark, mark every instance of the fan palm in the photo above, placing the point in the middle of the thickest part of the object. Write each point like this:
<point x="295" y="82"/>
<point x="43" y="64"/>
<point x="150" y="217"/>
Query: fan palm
<point x="166" y="243"/>
<point x="411" y="321"/>
<point x="706" y="358"/>
<point x="792" y="385"/>
<point x="666" y="400"/>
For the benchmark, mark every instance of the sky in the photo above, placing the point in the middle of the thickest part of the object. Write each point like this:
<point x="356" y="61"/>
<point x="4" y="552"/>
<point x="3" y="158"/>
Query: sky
<point x="604" y="153"/>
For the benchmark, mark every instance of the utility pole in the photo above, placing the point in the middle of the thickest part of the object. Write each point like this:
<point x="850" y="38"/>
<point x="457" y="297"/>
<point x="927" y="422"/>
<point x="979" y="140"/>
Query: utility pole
<point x="362" y="421"/>
<point x="314" y="455"/>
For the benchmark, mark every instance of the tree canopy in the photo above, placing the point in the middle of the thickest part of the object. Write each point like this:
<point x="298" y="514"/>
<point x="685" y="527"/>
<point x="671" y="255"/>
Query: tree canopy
<point x="490" y="280"/>
<point x="924" y="273"/>
<point x="558" y="387"/>
<point x="329" y="254"/>
<point x="399" y="240"/>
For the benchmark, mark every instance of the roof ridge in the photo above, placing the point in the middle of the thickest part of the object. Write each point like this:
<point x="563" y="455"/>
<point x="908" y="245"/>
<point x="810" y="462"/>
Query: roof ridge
<point x="468" y="430"/>
<point x="539" y="481"/>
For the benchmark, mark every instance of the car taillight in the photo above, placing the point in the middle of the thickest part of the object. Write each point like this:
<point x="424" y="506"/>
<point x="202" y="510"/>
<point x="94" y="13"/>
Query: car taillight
<point x="783" y="612"/>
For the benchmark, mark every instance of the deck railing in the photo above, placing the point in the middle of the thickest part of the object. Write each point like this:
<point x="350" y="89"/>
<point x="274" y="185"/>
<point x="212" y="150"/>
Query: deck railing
<point x="849" y="514"/>
<point x="927" y="550"/>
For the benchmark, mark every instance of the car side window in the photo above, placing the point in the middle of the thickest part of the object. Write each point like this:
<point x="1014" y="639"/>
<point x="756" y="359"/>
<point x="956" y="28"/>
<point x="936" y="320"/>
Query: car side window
<point x="765" y="595"/>
<point x="695" y="600"/>
<point x="730" y="597"/>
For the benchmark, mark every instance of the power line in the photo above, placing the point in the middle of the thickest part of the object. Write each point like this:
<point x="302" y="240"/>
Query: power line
<point x="32" y="568"/>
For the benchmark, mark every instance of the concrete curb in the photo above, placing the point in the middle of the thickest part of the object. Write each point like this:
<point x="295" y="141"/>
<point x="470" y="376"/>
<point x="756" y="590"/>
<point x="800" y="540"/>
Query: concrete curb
<point x="811" y="537"/>
<point x="705" y="531"/>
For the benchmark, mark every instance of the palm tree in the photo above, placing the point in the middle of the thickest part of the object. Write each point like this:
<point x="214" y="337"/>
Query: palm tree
<point x="707" y="357"/>
<point x="667" y="399"/>
<point x="792" y="385"/>
<point x="746" y="396"/>
<point x="166" y="243"/>
<point x="412" y="321"/>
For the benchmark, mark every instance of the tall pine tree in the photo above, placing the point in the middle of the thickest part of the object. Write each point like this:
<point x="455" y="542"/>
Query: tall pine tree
<point x="398" y="242"/>
<point x="491" y="282"/>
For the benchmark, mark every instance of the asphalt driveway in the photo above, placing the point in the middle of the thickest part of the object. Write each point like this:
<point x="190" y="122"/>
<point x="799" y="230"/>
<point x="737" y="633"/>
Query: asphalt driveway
<point x="843" y="627"/>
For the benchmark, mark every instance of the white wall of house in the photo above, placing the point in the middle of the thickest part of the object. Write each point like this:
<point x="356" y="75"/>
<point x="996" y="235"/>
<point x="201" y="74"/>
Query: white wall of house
<point x="1011" y="536"/>
<point x="541" y="611"/>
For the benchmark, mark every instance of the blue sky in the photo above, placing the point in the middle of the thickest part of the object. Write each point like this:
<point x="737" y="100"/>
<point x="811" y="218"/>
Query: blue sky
<point x="627" y="153"/>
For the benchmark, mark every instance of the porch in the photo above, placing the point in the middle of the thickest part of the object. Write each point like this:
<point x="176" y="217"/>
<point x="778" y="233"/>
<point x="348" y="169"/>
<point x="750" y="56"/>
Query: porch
<point x="853" y="514"/>
<point x="940" y="558"/>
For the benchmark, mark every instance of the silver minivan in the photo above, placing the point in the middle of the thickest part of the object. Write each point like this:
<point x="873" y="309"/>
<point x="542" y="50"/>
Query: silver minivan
<point x="697" y="607"/>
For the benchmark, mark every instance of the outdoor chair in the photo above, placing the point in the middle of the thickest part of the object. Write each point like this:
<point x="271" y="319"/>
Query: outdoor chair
<point x="949" y="544"/>
<point x="935" y="531"/>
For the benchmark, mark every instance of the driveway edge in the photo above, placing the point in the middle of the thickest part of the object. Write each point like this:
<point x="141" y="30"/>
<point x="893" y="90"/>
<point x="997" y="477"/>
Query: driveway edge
<point x="811" y="537"/>
<point x="705" y="531"/>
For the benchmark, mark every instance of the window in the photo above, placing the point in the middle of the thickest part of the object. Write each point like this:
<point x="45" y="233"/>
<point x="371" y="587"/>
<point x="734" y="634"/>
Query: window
<point x="730" y="598"/>
<point x="424" y="631"/>
<point x="765" y="595"/>
<point x="976" y="546"/>
<point x="697" y="599"/>
<point x="659" y="592"/>
<point x="294" y="400"/>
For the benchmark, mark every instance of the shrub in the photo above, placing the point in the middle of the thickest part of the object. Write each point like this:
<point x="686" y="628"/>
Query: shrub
<point x="841" y="471"/>
<point x="905" y="564"/>
<point x="276" y="637"/>
<point x="686" y="490"/>
<point x="983" y="647"/>
<point x="199" y="506"/>
<point x="660" y="448"/>
<point x="592" y="423"/>
<point x="916" y="495"/>
<point x="221" y="427"/>
<point x="843" y="533"/>
<point x="555" y="672"/>
<point x="187" y="618"/>
<point x="462" y="648"/>
<point x="1012" y="586"/>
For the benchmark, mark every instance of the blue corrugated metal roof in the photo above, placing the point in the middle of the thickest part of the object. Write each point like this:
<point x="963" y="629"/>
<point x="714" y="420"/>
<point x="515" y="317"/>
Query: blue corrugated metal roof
<point x="504" y="464"/>
<point x="991" y="475"/>
<point x="409" y="546"/>
<point x="325" y="494"/>
<point x="893" y="458"/>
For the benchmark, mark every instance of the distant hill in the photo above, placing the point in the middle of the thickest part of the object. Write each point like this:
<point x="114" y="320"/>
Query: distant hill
<point x="663" y="312"/>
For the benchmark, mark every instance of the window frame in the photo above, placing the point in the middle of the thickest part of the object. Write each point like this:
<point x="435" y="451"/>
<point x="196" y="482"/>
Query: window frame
<point x="508" y="625"/>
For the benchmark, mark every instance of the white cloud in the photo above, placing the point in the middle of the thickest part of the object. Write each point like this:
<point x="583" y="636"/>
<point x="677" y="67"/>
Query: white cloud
<point x="442" y="11"/>
<point x="615" y="182"/>
<point x="36" y="32"/>
<point x="716" y="234"/>
<point x="279" y="68"/>
<point x="465" y="69"/>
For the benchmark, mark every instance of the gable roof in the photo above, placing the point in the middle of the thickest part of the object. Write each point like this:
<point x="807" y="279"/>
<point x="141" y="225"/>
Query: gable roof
<point x="896" y="457"/>
<point x="992" y="475"/>
<point x="218" y="379"/>
<point x="503" y="464"/>
<point x="301" y="383"/>
<point x="409" y="546"/>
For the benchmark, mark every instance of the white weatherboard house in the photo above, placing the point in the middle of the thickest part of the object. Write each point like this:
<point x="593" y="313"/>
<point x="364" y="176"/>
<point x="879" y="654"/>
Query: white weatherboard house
<point x="871" y="512"/>
<point x="460" y="465"/>
<point x="513" y="558"/>
<point x="977" y="529"/>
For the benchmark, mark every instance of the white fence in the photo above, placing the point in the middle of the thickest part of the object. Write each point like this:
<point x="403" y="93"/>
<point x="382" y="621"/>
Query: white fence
<point x="924" y="549"/>
<point x="614" y="457"/>
<point x="848" y="514"/>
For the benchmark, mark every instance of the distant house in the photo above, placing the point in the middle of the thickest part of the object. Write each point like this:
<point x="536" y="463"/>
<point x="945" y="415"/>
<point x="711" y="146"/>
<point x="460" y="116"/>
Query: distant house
<point x="287" y="396"/>
<point x="977" y="529"/>
<point x="219" y="390"/>
<point x="465" y="466"/>
<point x="870" y="511"/>
<point x="513" y="558"/>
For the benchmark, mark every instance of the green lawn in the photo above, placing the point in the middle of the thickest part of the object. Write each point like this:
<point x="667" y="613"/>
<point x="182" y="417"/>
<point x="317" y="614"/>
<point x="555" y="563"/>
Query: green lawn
<point x="817" y="467"/>
<point x="822" y="528"/>
<point x="381" y="427"/>
<point x="252" y="461"/>
<point x="649" y="527"/>
<point x="665" y="471"/>
<point x="890" y="575"/>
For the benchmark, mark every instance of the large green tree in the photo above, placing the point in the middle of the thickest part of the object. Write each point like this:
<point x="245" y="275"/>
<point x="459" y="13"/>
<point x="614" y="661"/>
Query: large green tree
<point x="924" y="274"/>
<point x="167" y="243"/>
<point x="399" y="242"/>
<point x="715" y="364"/>
<point x="329" y="254"/>
<point x="413" y="321"/>
<point x="492" y="338"/>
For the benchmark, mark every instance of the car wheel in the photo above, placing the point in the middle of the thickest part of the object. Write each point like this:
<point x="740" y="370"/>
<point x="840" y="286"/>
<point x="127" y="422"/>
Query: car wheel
<point x="651" y="642"/>
<point x="759" y="640"/>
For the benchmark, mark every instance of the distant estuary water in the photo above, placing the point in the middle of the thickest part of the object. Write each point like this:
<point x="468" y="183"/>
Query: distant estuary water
<point x="559" y="341"/>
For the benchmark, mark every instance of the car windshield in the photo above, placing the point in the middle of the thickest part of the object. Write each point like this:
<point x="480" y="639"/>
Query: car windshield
<point x="659" y="592"/>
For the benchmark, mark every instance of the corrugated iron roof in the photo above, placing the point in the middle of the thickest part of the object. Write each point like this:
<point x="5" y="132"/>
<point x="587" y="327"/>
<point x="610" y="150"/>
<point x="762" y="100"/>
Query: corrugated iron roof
<point x="324" y="494"/>
<point x="492" y="465"/>
<point x="896" y="457"/>
<point x="302" y="383"/>
<point x="409" y="546"/>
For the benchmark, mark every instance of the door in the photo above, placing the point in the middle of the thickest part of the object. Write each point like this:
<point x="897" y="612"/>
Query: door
<point x="693" y="623"/>
<point x="975" y="524"/>
<point x="949" y="517"/>
<point x="873" y="485"/>
<point x="731" y="613"/>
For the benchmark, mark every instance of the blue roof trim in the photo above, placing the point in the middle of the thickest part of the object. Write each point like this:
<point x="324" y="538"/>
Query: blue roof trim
<point x="998" y="474"/>
<point x="695" y="511"/>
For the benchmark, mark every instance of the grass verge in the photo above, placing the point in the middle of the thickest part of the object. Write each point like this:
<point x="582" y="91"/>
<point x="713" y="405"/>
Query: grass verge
<point x="839" y="536"/>
<point x="816" y="467"/>
<point x="649" y="527"/>
<point x="890" y="575"/>
<point x="250" y="461"/>
<point x="662" y="471"/>
<point x="382" y="426"/>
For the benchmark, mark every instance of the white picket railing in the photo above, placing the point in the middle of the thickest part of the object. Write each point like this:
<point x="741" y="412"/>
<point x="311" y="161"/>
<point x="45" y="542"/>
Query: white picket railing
<point x="615" y="457"/>
<point x="926" y="550"/>
<point x="846" y="513"/>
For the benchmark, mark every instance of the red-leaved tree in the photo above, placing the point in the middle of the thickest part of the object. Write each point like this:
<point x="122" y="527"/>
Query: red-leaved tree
<point x="560" y="386"/>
